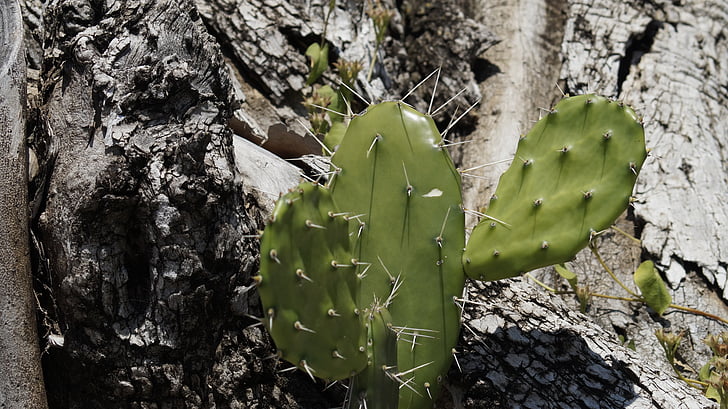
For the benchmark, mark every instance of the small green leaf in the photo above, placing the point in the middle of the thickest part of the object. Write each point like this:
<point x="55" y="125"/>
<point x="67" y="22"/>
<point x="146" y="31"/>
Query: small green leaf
<point x="712" y="393"/>
<point x="627" y="343"/>
<point x="704" y="374"/>
<point x="319" y="61"/>
<point x="335" y="135"/>
<point x="654" y="291"/>
<point x="337" y="104"/>
<point x="567" y="274"/>
<point x="631" y="345"/>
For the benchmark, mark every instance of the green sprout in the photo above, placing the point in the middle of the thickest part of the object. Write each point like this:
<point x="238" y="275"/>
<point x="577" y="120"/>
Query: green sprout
<point x="380" y="17"/>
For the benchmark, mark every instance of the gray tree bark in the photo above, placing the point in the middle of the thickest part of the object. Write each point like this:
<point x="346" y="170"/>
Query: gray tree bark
<point x="144" y="224"/>
<point x="21" y="385"/>
<point x="148" y="204"/>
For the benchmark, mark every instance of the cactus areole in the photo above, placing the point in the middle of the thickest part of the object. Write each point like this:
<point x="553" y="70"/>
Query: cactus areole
<point x="359" y="278"/>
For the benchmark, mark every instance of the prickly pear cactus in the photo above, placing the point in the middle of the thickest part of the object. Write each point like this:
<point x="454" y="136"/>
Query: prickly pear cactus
<point x="572" y="176"/>
<point x="359" y="277"/>
<point x="308" y="284"/>
<point x="393" y="171"/>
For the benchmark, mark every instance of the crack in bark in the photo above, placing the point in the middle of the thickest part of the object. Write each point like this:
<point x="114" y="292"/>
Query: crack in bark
<point x="636" y="47"/>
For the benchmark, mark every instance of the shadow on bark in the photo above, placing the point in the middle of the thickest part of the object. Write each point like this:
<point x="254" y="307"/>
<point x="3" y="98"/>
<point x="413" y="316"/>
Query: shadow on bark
<point x="538" y="369"/>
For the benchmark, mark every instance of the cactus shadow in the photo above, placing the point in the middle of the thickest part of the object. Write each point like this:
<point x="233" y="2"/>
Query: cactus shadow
<point x="520" y="349"/>
<point x="516" y="368"/>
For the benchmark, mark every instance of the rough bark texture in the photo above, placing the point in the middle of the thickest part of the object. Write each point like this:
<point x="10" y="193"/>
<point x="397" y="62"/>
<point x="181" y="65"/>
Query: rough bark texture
<point x="21" y="385"/>
<point x="148" y="204"/>
<point x="688" y="141"/>
<point x="144" y="225"/>
<point x="524" y="349"/>
<point x="265" y="43"/>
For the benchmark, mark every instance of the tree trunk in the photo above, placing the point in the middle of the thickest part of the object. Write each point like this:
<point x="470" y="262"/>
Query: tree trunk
<point x="145" y="228"/>
<point x="148" y="205"/>
<point x="21" y="385"/>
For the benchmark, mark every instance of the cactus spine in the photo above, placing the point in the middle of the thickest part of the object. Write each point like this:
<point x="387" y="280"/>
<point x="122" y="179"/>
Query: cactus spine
<point x="359" y="277"/>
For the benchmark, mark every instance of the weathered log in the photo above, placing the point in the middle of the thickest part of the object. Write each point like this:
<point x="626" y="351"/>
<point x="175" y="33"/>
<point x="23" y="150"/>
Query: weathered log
<point x="536" y="41"/>
<point x="668" y="61"/>
<point x="21" y="385"/>
<point x="671" y="64"/>
<point x="522" y="348"/>
<point x="266" y="41"/>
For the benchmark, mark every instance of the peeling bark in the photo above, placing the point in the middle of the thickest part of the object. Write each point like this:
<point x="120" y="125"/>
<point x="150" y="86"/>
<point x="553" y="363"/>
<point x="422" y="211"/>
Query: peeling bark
<point x="619" y="50"/>
<point x="669" y="61"/>
<point x="266" y="44"/>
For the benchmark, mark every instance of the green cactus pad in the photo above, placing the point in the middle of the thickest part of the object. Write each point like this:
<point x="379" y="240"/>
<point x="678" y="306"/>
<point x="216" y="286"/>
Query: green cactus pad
<point x="308" y="285"/>
<point x="572" y="175"/>
<point x="394" y="173"/>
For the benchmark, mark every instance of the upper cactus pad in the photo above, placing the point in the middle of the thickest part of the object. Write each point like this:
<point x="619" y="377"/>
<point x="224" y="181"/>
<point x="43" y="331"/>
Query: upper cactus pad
<point x="394" y="173"/>
<point x="572" y="176"/>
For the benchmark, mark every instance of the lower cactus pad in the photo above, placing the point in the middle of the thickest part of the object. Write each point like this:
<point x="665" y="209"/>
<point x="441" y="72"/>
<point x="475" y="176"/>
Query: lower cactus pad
<point x="308" y="285"/>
